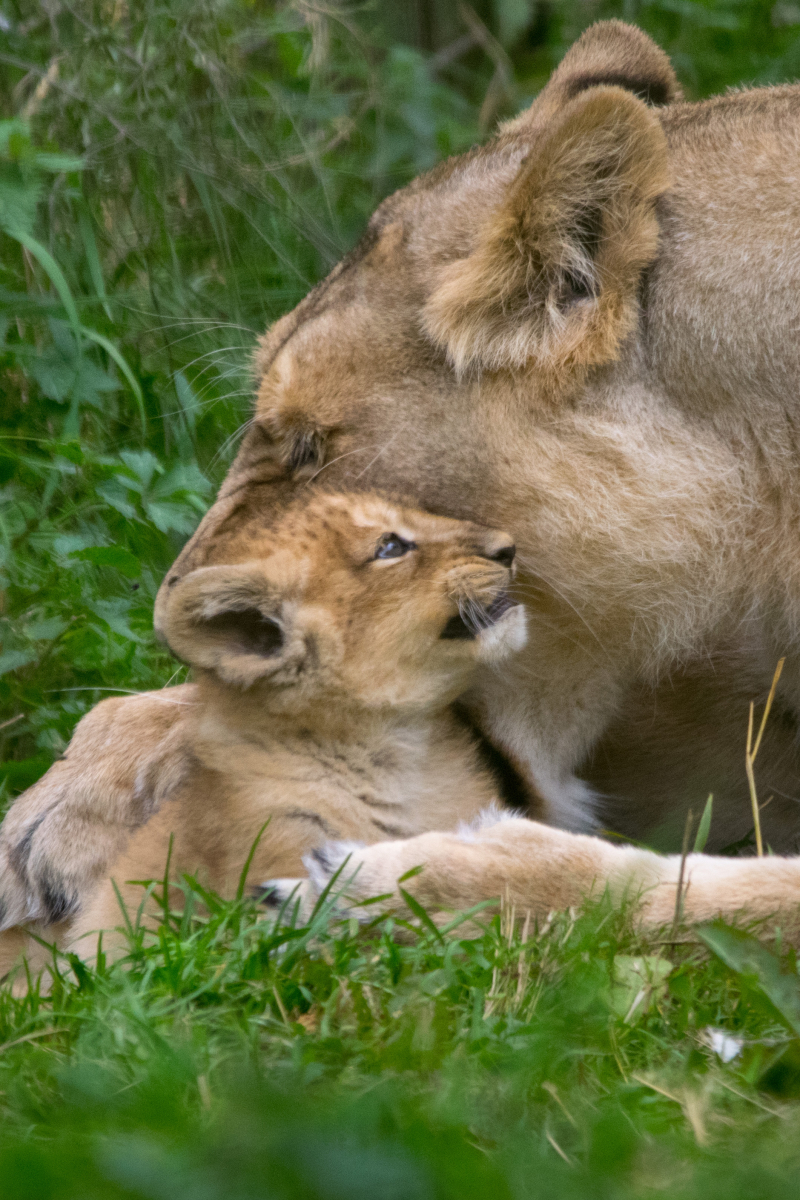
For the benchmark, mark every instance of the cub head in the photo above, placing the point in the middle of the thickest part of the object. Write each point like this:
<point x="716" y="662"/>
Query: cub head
<point x="350" y="600"/>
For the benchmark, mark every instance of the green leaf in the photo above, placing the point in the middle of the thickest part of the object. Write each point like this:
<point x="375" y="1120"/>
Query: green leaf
<point x="46" y="260"/>
<point x="14" y="137"/>
<point x="45" y="630"/>
<point x="416" y="908"/>
<point x="19" y="196"/>
<point x="54" y="373"/>
<point x="181" y="478"/>
<point x="25" y="772"/>
<point x="65" y="373"/>
<point x="73" y="451"/>
<point x="745" y="954"/>
<point x="143" y="464"/>
<point x="58" y="162"/>
<point x="636" y="983"/>
<point x="112" y="351"/>
<point x="12" y="660"/>
<point x="171" y="518"/>
<point x="114" y="614"/>
<point x="110" y="556"/>
<point x="114" y="492"/>
<point x="704" y="827"/>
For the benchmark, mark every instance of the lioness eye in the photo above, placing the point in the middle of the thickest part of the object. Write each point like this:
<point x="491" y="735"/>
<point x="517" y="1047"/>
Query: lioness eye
<point x="392" y="545"/>
<point x="304" y="449"/>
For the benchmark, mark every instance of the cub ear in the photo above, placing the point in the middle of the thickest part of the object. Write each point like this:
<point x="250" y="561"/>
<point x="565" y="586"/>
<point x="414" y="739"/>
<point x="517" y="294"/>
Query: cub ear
<point x="223" y="619"/>
<point x="553" y="274"/>
<point x="610" y="54"/>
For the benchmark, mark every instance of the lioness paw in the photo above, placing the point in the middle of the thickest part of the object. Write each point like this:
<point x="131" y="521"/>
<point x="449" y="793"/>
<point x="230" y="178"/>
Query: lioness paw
<point x="498" y="855"/>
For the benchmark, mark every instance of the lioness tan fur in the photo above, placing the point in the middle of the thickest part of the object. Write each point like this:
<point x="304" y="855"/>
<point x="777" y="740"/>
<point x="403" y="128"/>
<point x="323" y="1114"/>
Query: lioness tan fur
<point x="537" y="869"/>
<point x="584" y="331"/>
<point x="327" y="662"/>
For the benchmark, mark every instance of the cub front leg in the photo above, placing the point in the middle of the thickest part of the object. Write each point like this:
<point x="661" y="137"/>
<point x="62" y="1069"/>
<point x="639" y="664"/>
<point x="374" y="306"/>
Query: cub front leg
<point x="540" y="869"/>
<point x="59" y="838"/>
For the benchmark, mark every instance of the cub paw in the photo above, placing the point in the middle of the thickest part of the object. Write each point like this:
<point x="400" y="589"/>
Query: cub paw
<point x="16" y="906"/>
<point x="32" y="888"/>
<point x="287" y="896"/>
<point x="328" y="867"/>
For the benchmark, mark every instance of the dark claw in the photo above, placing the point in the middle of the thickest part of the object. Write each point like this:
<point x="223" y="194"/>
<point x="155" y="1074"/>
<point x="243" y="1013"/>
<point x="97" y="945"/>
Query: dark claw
<point x="268" y="895"/>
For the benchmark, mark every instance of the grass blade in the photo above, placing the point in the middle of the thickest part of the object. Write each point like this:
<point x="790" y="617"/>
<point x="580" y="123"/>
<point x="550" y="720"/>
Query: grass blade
<point x="248" y="861"/>
<point x="112" y="351"/>
<point x="704" y="828"/>
<point x="93" y="258"/>
<point x="421" y="914"/>
<point x="54" y="272"/>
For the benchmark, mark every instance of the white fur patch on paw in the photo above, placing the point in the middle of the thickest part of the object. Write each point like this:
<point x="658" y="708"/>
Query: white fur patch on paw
<point x="323" y="863"/>
<point x="274" y="893"/>
<point x="493" y="815"/>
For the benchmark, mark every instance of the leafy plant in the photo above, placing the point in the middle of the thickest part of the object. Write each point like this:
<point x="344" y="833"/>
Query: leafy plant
<point x="230" y="1056"/>
<point x="221" y="157"/>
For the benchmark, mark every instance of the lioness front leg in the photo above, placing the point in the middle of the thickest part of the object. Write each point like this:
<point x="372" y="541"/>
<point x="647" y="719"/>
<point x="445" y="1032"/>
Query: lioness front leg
<point x="535" y="866"/>
<point x="59" y="838"/>
<point x="540" y="869"/>
<point x="546" y="711"/>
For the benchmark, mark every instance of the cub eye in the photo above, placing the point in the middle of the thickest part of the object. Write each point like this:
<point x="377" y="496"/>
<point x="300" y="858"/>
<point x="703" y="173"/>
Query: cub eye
<point x="392" y="545"/>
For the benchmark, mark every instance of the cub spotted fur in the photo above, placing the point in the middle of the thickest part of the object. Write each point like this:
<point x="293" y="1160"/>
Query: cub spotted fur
<point x="327" y="662"/>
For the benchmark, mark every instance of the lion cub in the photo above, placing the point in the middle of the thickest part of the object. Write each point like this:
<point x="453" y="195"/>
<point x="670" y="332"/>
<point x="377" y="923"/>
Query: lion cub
<point x="327" y="659"/>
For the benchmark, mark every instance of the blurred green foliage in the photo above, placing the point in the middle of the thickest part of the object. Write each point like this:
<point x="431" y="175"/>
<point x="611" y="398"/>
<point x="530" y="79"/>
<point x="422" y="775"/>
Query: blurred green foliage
<point x="214" y="160"/>
<point x="228" y="1058"/>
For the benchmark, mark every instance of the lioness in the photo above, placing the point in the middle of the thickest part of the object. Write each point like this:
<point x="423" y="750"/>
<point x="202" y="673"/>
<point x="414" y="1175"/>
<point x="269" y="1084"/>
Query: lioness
<point x="584" y="331"/>
<point x="327" y="662"/>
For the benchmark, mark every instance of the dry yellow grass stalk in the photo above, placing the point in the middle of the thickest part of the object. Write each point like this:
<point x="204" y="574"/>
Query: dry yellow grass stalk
<point x="752" y="751"/>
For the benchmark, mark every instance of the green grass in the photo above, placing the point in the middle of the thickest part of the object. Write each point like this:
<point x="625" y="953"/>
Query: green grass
<point x="234" y="1058"/>
<point x="174" y="175"/>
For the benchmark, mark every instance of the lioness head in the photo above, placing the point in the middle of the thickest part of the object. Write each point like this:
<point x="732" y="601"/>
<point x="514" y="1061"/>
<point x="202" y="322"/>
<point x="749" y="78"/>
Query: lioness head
<point x="446" y="357"/>
<point x="350" y="599"/>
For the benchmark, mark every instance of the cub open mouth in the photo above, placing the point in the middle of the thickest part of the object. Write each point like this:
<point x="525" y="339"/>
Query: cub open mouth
<point x="473" y="618"/>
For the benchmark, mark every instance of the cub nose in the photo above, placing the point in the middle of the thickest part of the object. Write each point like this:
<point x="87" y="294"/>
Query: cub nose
<point x="504" y="555"/>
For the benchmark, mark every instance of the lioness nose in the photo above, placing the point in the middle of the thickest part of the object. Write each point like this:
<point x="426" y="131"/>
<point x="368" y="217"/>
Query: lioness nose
<point x="504" y="555"/>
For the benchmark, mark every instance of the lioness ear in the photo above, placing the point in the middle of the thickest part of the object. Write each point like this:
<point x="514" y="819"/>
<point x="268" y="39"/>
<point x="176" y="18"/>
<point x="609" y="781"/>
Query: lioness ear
<point x="610" y="54"/>
<point x="553" y="275"/>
